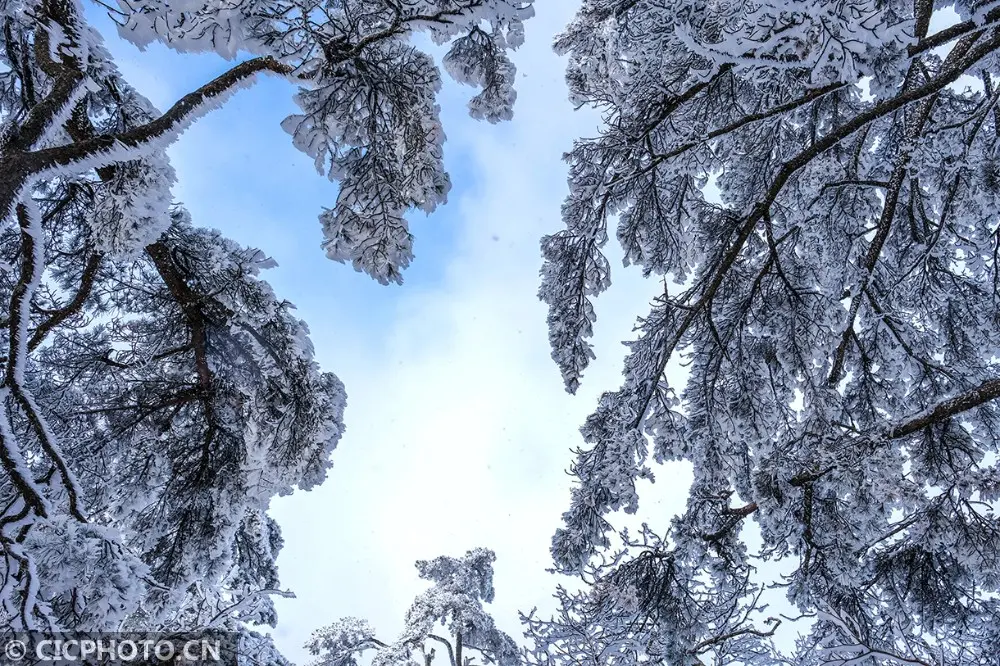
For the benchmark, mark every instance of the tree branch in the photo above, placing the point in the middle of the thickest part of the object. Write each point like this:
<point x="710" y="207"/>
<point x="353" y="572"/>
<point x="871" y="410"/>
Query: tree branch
<point x="985" y="392"/>
<point x="177" y="115"/>
<point x="447" y="644"/>
<point x="67" y="77"/>
<point x="896" y="180"/>
<point x="73" y="307"/>
<point x="20" y="166"/>
<point x="946" y="76"/>
<point x="32" y="265"/>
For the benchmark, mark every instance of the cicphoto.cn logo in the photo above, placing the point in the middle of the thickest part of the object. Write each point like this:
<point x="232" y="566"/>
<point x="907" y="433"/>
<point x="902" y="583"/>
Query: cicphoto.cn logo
<point x="117" y="650"/>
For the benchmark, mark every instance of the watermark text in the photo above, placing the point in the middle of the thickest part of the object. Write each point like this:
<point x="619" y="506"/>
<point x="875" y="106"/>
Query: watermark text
<point x="83" y="649"/>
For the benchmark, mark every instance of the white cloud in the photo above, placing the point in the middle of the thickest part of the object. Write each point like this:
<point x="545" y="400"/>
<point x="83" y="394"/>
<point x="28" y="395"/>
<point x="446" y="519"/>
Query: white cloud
<point x="458" y="428"/>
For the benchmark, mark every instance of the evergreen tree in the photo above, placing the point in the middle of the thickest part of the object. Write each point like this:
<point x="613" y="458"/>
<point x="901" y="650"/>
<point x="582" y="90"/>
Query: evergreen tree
<point x="824" y="352"/>
<point x="155" y="393"/>
<point x="454" y="602"/>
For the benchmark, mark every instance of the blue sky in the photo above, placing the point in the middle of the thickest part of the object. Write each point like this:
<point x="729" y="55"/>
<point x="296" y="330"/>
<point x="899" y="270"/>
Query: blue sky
<point x="458" y="430"/>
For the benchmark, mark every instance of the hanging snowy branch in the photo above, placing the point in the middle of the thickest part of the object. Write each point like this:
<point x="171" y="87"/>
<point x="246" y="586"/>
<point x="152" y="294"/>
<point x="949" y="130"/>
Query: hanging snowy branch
<point x="155" y="394"/>
<point x="836" y="324"/>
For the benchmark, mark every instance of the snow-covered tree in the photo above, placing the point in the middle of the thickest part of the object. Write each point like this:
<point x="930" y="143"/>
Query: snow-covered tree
<point x="154" y="393"/>
<point x="817" y="185"/>
<point x="454" y="603"/>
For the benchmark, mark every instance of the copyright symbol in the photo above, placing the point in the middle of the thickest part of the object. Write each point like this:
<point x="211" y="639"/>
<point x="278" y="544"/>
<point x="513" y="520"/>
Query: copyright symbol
<point x="15" y="650"/>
